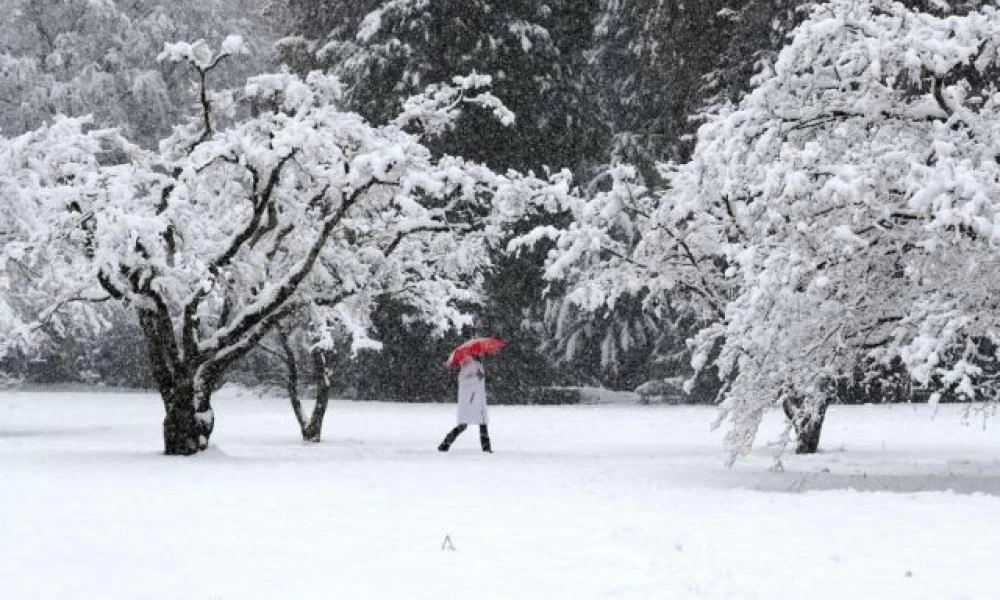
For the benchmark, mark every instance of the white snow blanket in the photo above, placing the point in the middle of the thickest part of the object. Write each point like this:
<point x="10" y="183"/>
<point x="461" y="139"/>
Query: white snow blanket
<point x="472" y="393"/>
<point x="90" y="509"/>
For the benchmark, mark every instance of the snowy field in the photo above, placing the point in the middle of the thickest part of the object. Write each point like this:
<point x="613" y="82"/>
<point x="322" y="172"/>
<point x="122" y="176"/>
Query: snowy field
<point x="605" y="501"/>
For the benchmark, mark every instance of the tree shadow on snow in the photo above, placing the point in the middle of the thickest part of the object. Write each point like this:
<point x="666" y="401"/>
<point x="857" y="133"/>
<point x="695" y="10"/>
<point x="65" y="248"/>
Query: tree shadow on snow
<point x="957" y="476"/>
<point x="54" y="432"/>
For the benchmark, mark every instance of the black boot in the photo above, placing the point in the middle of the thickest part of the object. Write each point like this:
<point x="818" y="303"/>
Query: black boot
<point x="450" y="438"/>
<point x="484" y="439"/>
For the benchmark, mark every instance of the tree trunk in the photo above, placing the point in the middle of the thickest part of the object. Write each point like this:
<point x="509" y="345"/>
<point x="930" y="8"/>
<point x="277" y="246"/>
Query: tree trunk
<point x="190" y="420"/>
<point x="807" y="421"/>
<point x="313" y="430"/>
<point x="186" y="396"/>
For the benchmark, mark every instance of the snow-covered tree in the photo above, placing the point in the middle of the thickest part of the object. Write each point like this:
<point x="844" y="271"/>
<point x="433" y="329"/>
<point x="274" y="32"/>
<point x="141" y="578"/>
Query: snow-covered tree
<point x="629" y="275"/>
<point x="294" y="348"/>
<point x="857" y="185"/>
<point x="650" y="57"/>
<point x="226" y="231"/>
<point x="80" y="57"/>
<point x="849" y="203"/>
<point x="659" y="63"/>
<point x="534" y="51"/>
<point x="536" y="54"/>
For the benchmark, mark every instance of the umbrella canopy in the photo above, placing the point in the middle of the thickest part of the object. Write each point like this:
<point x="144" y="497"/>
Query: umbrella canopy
<point x="474" y="347"/>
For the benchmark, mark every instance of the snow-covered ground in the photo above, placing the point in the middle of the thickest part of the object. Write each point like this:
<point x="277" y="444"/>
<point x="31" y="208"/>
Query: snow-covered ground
<point x="578" y="502"/>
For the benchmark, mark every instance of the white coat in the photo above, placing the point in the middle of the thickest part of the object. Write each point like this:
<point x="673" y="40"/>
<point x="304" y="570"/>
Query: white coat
<point x="472" y="393"/>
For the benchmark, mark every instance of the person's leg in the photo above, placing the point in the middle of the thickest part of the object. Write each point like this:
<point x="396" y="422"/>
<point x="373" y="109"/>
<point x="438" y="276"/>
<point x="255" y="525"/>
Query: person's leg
<point x="484" y="439"/>
<point x="450" y="438"/>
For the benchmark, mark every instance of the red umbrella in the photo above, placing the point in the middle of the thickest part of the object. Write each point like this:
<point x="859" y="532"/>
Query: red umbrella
<point x="474" y="347"/>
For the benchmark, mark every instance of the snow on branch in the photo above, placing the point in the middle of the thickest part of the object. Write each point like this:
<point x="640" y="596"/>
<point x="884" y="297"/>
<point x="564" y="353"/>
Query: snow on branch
<point x="438" y="107"/>
<point x="200" y="55"/>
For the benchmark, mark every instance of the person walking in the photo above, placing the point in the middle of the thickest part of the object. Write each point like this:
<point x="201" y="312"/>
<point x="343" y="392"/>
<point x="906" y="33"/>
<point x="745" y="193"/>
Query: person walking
<point x="471" y="404"/>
